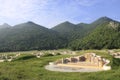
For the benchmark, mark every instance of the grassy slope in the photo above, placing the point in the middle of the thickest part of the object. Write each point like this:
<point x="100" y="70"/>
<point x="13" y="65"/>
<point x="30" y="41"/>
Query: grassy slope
<point x="33" y="69"/>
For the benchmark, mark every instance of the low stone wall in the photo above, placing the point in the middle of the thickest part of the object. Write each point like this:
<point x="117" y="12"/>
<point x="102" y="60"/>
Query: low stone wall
<point x="106" y="67"/>
<point x="79" y="66"/>
<point x="89" y="61"/>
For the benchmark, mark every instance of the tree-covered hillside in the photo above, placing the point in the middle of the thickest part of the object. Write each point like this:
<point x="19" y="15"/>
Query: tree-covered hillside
<point x="69" y="30"/>
<point x="72" y="31"/>
<point x="102" y="33"/>
<point x="29" y="36"/>
<point x="106" y="35"/>
<point x="5" y="25"/>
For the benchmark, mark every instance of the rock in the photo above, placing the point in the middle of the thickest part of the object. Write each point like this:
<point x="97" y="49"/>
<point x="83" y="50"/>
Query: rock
<point x="106" y="67"/>
<point x="38" y="56"/>
<point x="113" y="24"/>
<point x="9" y="60"/>
<point x="2" y="60"/>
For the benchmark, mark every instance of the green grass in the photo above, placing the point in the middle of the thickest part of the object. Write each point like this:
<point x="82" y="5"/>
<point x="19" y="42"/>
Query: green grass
<point x="27" y="67"/>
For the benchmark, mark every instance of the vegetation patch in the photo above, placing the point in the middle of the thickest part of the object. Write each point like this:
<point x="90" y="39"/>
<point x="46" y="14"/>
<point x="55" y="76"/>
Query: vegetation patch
<point x="28" y="67"/>
<point x="26" y="57"/>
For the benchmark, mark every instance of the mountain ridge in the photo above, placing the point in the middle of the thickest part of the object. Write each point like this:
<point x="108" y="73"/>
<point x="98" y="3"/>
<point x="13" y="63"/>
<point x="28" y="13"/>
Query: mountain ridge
<point x="32" y="36"/>
<point x="104" y="36"/>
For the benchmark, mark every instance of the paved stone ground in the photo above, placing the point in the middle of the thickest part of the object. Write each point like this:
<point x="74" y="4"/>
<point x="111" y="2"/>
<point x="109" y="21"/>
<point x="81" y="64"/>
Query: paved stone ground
<point x="68" y="69"/>
<point x="117" y="56"/>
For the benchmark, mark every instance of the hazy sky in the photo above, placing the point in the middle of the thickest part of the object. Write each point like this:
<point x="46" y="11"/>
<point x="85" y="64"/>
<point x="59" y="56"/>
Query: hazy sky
<point x="51" y="12"/>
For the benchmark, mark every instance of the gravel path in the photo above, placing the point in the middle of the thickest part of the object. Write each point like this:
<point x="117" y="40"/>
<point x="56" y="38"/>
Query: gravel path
<point x="68" y="69"/>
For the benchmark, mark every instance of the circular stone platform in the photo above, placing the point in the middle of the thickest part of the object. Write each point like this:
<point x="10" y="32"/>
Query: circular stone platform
<point x="69" y="69"/>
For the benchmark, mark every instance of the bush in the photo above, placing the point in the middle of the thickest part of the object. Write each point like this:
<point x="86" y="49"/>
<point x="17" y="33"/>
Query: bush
<point x="47" y="55"/>
<point x="115" y="63"/>
<point x="58" y="54"/>
<point x="26" y="57"/>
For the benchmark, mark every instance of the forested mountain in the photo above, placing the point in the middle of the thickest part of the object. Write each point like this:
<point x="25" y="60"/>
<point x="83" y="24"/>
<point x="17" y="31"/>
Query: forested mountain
<point x="5" y="25"/>
<point x="64" y="27"/>
<point x="105" y="35"/>
<point x="102" y="33"/>
<point x="71" y="31"/>
<point x="77" y="31"/>
<point x="68" y="30"/>
<point x="29" y="36"/>
<point x="93" y="25"/>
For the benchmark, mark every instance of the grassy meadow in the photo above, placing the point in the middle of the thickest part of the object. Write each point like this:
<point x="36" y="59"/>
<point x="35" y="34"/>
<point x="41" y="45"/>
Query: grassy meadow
<point x="28" y="67"/>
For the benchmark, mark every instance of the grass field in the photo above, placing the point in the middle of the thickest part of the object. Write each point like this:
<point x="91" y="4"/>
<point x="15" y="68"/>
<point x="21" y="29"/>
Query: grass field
<point x="28" y="67"/>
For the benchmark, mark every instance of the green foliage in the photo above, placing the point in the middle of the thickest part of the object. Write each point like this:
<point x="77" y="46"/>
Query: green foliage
<point x="26" y="57"/>
<point x="71" y="31"/>
<point x="58" y="54"/>
<point x="47" y="55"/>
<point x="33" y="69"/>
<point x="115" y="63"/>
<point x="102" y="37"/>
<point x="29" y="36"/>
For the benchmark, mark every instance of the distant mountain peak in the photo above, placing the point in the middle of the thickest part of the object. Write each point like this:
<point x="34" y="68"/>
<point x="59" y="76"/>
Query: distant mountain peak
<point x="82" y="23"/>
<point x="26" y="23"/>
<point x="67" y="22"/>
<point x="29" y="25"/>
<point x="5" y="25"/>
<point x="33" y="23"/>
<point x="64" y="27"/>
<point x="105" y="18"/>
<point x="102" y="20"/>
<point x="30" y="22"/>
